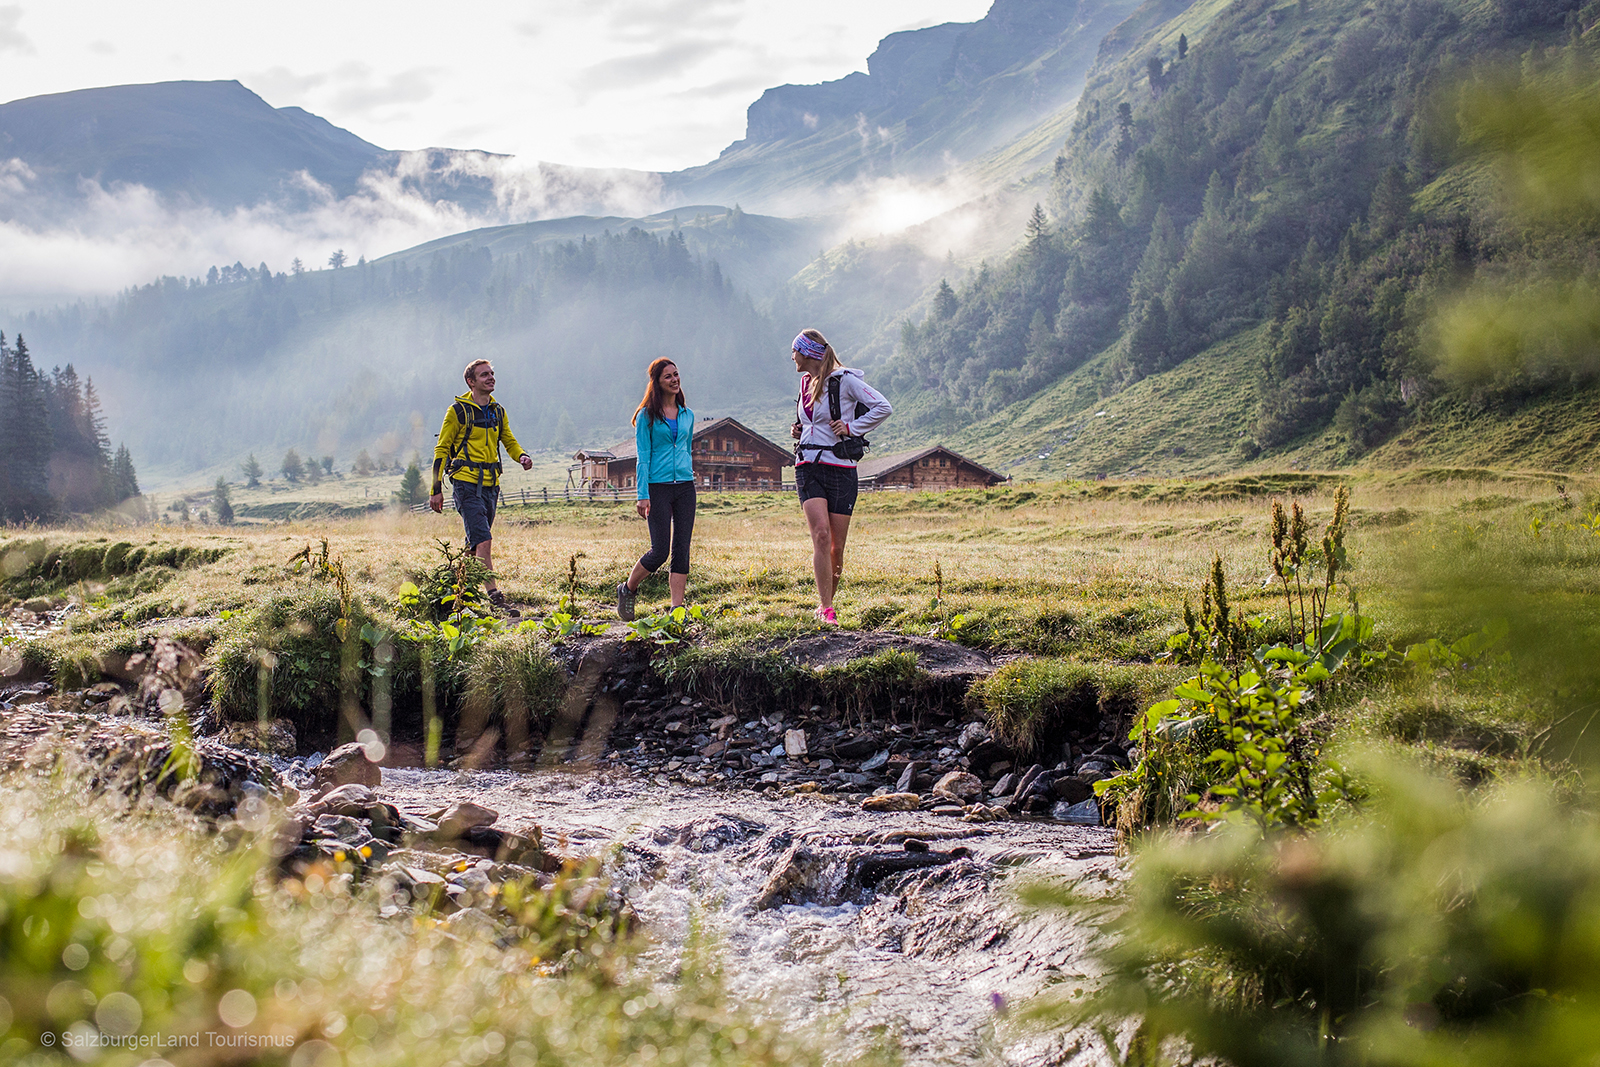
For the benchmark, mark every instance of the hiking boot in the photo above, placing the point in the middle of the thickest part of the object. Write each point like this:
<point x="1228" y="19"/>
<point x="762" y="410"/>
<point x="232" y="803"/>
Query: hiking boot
<point x="625" y="599"/>
<point x="498" y="600"/>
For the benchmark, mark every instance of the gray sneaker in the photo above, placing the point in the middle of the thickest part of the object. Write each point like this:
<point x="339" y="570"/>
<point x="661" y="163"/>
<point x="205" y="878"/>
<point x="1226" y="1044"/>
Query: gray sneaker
<point x="625" y="599"/>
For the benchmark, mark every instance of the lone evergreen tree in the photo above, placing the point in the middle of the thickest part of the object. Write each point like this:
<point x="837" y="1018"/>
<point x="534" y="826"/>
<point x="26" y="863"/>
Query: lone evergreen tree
<point x="1038" y="230"/>
<point x="410" y="493"/>
<point x="124" y="480"/>
<point x="363" y="465"/>
<point x="293" y="469"/>
<point x="327" y="464"/>
<point x="219" y="497"/>
<point x="1124" y="149"/>
<point x="252" y="472"/>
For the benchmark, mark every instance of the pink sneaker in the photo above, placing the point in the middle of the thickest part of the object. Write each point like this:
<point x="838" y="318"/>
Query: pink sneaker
<point x="827" y="615"/>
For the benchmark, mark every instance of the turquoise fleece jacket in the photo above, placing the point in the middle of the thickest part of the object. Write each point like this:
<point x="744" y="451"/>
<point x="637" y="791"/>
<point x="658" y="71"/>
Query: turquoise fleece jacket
<point x="661" y="459"/>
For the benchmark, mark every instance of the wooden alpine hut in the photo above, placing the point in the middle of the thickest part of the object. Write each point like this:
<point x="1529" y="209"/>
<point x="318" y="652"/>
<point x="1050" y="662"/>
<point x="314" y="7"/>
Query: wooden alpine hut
<point x="727" y="455"/>
<point x="936" y="467"/>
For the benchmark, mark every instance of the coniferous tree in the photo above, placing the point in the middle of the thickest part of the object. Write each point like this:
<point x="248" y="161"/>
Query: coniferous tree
<point x="410" y="493"/>
<point x="252" y="472"/>
<point x="293" y="468"/>
<point x="363" y="465"/>
<point x="97" y="446"/>
<point x="25" y="438"/>
<point x="124" y="480"/>
<point x="1037" y="232"/>
<point x="219" y="497"/>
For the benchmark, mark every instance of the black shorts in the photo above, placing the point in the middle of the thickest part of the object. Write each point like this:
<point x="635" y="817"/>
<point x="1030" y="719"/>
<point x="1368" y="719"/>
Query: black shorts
<point x="836" y="485"/>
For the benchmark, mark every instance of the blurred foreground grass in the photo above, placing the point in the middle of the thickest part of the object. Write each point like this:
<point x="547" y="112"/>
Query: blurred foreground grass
<point x="138" y="935"/>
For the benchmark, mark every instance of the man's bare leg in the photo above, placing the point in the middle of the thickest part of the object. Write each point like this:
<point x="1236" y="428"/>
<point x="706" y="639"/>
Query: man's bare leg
<point x="484" y="552"/>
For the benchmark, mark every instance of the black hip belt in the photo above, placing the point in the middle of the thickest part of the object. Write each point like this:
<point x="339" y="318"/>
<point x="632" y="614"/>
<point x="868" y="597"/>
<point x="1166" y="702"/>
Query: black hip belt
<point x="847" y="448"/>
<point x="482" y="468"/>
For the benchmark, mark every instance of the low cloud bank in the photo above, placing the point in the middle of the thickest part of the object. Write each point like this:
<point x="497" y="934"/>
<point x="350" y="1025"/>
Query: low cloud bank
<point x="103" y="239"/>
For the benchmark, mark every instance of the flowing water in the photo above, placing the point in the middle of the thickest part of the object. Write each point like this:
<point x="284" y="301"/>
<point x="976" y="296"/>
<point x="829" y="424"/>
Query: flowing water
<point x="808" y="903"/>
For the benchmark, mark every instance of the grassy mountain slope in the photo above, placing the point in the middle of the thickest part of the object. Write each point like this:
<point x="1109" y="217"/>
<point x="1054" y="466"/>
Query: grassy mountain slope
<point x="1188" y="421"/>
<point x="1287" y="179"/>
<point x="1194" y="420"/>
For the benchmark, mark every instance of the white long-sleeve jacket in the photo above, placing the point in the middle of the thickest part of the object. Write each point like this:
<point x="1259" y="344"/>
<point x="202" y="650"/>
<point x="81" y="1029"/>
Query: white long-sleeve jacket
<point x="814" y="420"/>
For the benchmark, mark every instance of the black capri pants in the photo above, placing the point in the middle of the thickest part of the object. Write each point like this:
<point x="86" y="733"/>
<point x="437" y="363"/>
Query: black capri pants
<point x="671" y="523"/>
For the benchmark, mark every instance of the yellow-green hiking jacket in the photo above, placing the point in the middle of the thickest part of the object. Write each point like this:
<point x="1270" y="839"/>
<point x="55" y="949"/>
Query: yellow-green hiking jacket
<point x="477" y="442"/>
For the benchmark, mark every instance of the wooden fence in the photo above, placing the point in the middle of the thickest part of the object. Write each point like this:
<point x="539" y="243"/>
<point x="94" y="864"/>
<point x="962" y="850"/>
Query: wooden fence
<point x="626" y="495"/>
<point x="598" y="495"/>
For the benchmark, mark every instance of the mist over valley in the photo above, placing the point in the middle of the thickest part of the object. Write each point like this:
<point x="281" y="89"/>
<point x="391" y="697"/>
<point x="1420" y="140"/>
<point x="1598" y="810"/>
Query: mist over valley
<point x="1009" y="222"/>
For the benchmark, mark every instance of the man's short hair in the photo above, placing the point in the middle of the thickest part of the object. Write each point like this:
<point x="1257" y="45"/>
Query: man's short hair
<point x="472" y="369"/>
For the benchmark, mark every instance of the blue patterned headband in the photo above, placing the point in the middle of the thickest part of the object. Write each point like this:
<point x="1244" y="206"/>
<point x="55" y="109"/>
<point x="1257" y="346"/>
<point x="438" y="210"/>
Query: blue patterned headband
<point x="809" y="348"/>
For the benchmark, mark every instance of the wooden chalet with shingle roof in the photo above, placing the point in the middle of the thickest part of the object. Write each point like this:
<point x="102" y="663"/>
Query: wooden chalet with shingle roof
<point x="936" y="467"/>
<point x="727" y="455"/>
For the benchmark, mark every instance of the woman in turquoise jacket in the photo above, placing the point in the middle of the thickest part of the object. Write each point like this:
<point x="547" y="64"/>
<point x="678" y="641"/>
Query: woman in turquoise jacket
<point x="663" y="430"/>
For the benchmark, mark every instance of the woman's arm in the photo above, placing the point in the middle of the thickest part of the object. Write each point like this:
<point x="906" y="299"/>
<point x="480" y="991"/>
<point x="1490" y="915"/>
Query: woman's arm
<point x="641" y="443"/>
<point x="878" y="409"/>
<point x="686" y="442"/>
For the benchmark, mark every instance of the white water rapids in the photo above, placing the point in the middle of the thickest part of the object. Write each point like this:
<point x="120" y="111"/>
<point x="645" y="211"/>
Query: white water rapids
<point x="933" y="963"/>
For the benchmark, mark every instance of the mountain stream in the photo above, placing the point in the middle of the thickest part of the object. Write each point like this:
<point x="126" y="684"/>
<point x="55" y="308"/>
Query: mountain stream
<point x="852" y="928"/>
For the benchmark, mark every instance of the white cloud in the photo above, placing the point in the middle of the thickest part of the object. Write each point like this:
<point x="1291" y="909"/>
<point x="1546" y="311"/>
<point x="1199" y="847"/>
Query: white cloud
<point x="128" y="235"/>
<point x="621" y="73"/>
<point x="405" y="87"/>
<point x="11" y="38"/>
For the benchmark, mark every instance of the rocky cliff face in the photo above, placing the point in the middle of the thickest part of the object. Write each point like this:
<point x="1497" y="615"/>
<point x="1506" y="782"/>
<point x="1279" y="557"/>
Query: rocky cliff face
<point x="943" y="93"/>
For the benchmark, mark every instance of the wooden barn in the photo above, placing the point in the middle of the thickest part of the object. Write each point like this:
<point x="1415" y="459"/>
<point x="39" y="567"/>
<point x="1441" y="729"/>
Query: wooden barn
<point x="930" y="468"/>
<point x="727" y="455"/>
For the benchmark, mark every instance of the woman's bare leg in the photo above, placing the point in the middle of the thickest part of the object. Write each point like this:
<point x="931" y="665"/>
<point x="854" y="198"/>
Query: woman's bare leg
<point x="840" y="529"/>
<point x="818" y="521"/>
<point x="678" y="584"/>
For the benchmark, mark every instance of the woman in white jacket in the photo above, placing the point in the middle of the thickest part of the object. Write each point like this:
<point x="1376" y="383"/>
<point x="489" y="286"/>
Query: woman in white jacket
<point x="826" y="453"/>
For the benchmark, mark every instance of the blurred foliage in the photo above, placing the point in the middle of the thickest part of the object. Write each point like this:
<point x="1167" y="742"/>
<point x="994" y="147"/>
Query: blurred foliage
<point x="1539" y="127"/>
<point x="121" y="926"/>
<point x="1431" y="928"/>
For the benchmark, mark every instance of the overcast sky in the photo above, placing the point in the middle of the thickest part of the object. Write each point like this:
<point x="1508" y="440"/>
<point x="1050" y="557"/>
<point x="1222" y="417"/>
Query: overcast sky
<point x="652" y="84"/>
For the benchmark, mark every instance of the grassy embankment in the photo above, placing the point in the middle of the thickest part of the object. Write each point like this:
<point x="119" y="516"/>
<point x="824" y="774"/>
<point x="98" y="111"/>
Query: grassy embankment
<point x="1092" y="575"/>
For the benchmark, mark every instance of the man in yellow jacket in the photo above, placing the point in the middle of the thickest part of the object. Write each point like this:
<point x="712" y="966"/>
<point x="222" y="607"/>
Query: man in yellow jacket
<point x="468" y="453"/>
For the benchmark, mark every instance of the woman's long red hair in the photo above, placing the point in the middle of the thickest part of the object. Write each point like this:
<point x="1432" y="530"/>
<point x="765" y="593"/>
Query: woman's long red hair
<point x="654" y="395"/>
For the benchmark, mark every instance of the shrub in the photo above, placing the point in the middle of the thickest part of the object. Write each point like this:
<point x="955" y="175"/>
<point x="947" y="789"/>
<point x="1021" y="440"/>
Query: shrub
<point x="1431" y="928"/>
<point x="511" y="680"/>
<point x="1032" y="704"/>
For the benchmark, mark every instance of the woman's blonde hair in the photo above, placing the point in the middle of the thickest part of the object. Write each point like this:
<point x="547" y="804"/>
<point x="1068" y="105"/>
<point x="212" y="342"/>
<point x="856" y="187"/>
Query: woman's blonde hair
<point x="830" y="363"/>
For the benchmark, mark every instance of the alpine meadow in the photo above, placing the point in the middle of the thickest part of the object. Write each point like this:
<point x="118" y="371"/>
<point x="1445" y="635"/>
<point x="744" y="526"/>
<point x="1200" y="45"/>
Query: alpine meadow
<point x="1182" y="649"/>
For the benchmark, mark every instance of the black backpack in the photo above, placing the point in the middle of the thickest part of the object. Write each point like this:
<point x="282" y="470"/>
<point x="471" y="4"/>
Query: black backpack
<point x="852" y="447"/>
